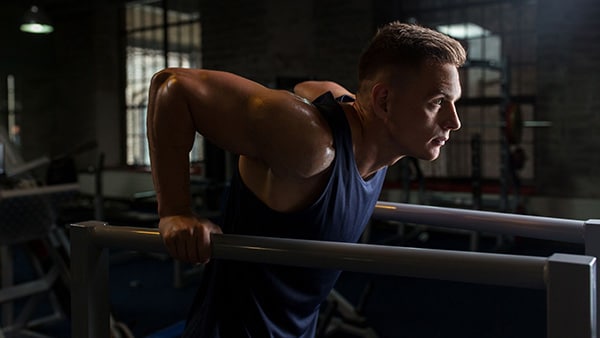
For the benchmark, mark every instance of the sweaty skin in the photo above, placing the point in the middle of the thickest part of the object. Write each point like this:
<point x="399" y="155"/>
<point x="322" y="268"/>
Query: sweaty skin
<point x="283" y="142"/>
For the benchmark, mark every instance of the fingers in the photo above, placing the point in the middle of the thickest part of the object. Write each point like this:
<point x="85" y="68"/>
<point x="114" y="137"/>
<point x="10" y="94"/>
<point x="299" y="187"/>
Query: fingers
<point x="189" y="245"/>
<point x="187" y="238"/>
<point x="197" y="246"/>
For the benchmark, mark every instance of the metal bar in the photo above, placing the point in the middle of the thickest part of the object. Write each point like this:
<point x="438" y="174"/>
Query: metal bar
<point x="559" y="229"/>
<point x="89" y="284"/>
<point x="136" y="239"/>
<point x="36" y="191"/>
<point x="571" y="296"/>
<point x="472" y="267"/>
<point x="165" y="17"/>
<point x="510" y="270"/>
<point x="22" y="290"/>
<point x="592" y="248"/>
<point x="6" y="280"/>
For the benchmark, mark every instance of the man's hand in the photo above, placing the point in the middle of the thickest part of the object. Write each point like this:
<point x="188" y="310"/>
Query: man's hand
<point x="187" y="238"/>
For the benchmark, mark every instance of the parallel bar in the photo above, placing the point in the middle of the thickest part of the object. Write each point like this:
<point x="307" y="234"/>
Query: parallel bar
<point x="558" y="229"/>
<point x="133" y="238"/>
<point x="471" y="267"/>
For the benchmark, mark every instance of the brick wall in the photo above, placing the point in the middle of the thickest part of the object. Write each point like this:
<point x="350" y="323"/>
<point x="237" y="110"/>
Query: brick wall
<point x="67" y="83"/>
<point x="568" y="94"/>
<point x="267" y="39"/>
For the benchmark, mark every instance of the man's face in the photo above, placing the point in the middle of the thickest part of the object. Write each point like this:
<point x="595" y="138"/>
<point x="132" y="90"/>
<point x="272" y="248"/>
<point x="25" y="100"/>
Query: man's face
<point x="422" y="112"/>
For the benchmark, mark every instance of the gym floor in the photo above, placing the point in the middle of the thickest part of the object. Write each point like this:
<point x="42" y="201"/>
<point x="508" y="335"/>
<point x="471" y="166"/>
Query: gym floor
<point x="143" y="296"/>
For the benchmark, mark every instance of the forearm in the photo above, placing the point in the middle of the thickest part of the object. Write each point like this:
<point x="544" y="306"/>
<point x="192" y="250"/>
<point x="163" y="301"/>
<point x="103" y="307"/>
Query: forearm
<point x="170" y="138"/>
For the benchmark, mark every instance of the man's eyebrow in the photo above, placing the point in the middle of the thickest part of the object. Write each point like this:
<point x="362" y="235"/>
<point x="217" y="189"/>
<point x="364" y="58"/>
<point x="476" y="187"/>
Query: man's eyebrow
<point x="447" y="95"/>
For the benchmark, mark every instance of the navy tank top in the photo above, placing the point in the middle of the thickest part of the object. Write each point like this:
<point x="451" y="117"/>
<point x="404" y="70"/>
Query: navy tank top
<point x="239" y="299"/>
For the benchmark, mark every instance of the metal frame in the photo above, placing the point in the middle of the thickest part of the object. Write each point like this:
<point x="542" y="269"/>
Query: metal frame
<point x="570" y="280"/>
<point x="29" y="214"/>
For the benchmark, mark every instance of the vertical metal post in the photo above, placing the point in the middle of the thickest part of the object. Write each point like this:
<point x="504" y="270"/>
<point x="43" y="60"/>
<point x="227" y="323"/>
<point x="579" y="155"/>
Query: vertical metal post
<point x="475" y="236"/>
<point x="6" y="271"/>
<point x="592" y="246"/>
<point x="99" y="189"/>
<point x="89" y="284"/>
<point x="165" y="27"/>
<point x="571" y="296"/>
<point x="504" y="142"/>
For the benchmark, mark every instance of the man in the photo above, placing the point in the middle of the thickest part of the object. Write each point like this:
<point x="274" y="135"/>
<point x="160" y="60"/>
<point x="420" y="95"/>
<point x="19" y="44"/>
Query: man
<point x="310" y="167"/>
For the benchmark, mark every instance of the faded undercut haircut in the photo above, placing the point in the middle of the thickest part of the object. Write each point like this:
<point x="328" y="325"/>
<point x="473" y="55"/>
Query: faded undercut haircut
<point x="410" y="45"/>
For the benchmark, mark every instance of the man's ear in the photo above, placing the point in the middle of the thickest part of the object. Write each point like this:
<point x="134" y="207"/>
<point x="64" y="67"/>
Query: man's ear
<point x="379" y="97"/>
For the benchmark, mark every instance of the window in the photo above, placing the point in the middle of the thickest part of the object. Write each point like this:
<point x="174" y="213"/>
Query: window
<point x="157" y="36"/>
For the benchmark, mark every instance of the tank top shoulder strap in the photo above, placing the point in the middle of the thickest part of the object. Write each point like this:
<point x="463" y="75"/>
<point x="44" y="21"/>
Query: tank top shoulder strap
<point x="334" y="115"/>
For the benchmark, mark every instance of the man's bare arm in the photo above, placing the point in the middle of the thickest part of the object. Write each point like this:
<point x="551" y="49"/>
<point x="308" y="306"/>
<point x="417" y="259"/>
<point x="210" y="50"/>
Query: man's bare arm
<point x="282" y="133"/>
<point x="237" y="114"/>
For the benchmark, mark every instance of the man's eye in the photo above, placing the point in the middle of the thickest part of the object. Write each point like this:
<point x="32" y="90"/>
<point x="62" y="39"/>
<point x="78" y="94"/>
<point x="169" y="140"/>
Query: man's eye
<point x="438" y="101"/>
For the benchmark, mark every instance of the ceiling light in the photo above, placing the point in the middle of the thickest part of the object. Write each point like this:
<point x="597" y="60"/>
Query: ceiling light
<point x="35" y="21"/>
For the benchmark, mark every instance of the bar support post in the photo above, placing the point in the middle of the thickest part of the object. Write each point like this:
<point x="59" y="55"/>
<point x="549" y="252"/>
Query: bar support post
<point x="89" y="284"/>
<point x="571" y="296"/>
<point x="592" y="247"/>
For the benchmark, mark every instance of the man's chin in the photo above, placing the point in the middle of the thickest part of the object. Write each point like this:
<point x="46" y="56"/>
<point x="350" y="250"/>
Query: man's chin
<point x="432" y="156"/>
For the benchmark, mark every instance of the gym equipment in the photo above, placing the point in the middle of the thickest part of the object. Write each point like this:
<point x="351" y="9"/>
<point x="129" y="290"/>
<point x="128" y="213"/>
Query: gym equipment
<point x="23" y="168"/>
<point x="351" y="319"/>
<point x="29" y="223"/>
<point x="513" y="123"/>
<point x="569" y="280"/>
<point x="513" y="127"/>
<point x="476" y="171"/>
<point x="549" y="228"/>
<point x="28" y="218"/>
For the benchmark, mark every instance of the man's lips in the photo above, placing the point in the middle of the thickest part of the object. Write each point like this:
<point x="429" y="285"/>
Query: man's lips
<point x="440" y="141"/>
